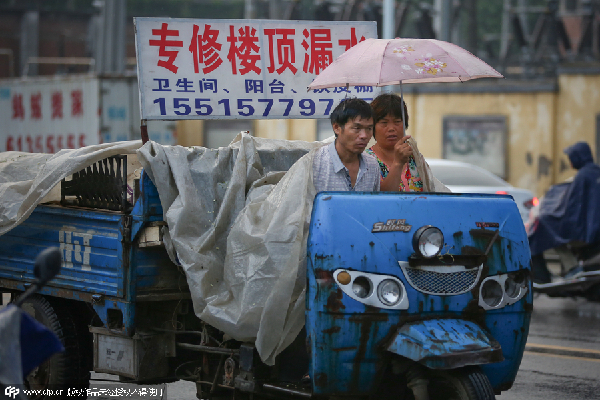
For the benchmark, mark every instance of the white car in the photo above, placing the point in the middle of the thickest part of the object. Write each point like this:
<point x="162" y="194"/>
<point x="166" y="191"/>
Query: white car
<point x="461" y="177"/>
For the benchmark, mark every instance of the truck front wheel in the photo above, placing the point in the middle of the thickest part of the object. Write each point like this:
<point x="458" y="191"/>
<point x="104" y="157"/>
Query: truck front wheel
<point x="67" y="370"/>
<point x="468" y="383"/>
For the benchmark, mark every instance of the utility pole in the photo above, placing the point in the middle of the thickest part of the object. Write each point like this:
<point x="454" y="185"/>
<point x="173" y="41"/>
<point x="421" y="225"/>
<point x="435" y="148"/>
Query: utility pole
<point x="110" y="52"/>
<point x="248" y="9"/>
<point x="274" y="9"/>
<point x="443" y="19"/>
<point x="471" y="38"/>
<point x="389" y="19"/>
<point x="29" y="41"/>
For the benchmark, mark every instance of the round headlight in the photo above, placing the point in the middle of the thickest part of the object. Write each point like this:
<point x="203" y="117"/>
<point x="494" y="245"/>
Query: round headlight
<point x="389" y="292"/>
<point x="428" y="241"/>
<point x="361" y="287"/>
<point x="491" y="292"/>
<point x="511" y="287"/>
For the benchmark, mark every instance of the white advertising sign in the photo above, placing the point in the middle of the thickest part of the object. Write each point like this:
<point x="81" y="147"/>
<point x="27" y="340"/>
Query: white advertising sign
<point x="236" y="69"/>
<point x="44" y="116"/>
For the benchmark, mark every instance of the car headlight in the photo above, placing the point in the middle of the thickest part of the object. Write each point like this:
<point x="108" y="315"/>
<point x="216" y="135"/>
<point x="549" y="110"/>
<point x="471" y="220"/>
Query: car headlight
<point x="428" y="241"/>
<point x="389" y="292"/>
<point x="361" y="287"/>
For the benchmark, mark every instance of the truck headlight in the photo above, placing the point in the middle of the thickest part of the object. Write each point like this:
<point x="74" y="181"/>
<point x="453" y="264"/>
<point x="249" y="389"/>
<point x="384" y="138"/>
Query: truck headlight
<point x="361" y="287"/>
<point x="515" y="284"/>
<point x="491" y="293"/>
<point x="428" y="241"/>
<point x="389" y="292"/>
<point x="499" y="291"/>
<point x="375" y="290"/>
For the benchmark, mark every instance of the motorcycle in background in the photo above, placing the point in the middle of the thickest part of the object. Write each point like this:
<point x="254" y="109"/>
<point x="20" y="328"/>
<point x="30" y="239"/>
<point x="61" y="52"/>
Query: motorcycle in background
<point x="25" y="343"/>
<point x="579" y="273"/>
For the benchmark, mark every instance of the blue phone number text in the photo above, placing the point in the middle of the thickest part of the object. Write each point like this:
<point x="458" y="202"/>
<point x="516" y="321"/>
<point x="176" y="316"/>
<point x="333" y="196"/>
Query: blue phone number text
<point x="243" y="107"/>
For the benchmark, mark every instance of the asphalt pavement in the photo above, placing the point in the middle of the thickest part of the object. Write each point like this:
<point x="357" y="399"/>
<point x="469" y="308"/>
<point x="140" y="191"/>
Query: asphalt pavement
<point x="562" y="357"/>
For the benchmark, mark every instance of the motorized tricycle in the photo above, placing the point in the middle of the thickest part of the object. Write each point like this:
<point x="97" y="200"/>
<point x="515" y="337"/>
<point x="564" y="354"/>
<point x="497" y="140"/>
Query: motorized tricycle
<point x="411" y="295"/>
<point x="414" y="296"/>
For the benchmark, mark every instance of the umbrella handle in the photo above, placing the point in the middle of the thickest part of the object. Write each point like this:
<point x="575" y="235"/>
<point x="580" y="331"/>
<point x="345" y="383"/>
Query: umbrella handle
<point x="402" y="108"/>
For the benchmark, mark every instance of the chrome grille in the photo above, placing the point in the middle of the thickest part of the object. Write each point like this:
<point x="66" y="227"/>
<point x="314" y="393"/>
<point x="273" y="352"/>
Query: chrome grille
<point x="441" y="282"/>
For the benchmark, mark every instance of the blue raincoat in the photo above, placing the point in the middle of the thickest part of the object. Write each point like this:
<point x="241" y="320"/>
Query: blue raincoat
<point x="571" y="211"/>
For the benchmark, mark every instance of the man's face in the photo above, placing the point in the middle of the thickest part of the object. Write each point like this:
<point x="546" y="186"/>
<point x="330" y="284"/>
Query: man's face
<point x="354" y="136"/>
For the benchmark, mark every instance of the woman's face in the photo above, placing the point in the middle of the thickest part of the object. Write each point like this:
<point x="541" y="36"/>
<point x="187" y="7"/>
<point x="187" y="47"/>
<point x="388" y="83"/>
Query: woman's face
<point x="388" y="131"/>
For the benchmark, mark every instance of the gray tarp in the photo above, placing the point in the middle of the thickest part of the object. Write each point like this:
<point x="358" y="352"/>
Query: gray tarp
<point x="27" y="179"/>
<point x="237" y="223"/>
<point x="239" y="226"/>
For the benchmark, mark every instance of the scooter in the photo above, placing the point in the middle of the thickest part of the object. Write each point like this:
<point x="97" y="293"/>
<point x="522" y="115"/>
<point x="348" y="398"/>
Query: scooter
<point x="25" y="343"/>
<point x="579" y="274"/>
<point x="579" y="271"/>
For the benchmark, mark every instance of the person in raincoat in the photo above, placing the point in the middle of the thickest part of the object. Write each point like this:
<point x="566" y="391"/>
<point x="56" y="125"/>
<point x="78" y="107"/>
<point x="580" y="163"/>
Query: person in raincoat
<point x="569" y="212"/>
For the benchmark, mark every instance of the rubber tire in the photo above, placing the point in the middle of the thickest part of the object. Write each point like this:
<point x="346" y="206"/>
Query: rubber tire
<point x="468" y="383"/>
<point x="66" y="370"/>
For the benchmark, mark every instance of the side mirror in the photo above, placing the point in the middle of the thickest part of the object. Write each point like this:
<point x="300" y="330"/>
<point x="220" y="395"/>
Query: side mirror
<point x="47" y="265"/>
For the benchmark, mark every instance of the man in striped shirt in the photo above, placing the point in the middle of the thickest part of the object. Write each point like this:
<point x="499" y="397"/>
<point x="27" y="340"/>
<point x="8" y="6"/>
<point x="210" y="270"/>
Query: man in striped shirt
<point x="342" y="165"/>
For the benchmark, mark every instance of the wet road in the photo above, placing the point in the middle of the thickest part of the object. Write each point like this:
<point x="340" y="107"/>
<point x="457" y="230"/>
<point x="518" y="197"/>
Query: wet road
<point x="562" y="358"/>
<point x="561" y="362"/>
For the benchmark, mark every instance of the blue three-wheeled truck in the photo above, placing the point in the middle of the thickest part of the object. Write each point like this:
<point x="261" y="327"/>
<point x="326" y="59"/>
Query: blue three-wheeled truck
<point x="409" y="296"/>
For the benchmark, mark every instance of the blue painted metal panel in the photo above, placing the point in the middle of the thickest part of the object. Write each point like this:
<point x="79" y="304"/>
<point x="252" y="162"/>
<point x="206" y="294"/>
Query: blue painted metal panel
<point x="155" y="274"/>
<point x="100" y="253"/>
<point x="510" y="327"/>
<point x="445" y="343"/>
<point x="147" y="207"/>
<point x="354" y="336"/>
<point x="90" y="242"/>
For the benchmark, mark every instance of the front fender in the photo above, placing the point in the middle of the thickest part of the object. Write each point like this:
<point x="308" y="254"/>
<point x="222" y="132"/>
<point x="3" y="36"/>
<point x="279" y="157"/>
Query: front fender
<point x="445" y="343"/>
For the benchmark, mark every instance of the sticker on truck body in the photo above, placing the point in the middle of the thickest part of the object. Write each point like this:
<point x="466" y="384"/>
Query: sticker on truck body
<point x="75" y="247"/>
<point x="391" y="225"/>
<point x="487" y="224"/>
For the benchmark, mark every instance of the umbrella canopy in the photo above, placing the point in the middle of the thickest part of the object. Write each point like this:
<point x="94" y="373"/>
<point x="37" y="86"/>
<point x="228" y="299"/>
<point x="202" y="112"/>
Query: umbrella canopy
<point x="381" y="62"/>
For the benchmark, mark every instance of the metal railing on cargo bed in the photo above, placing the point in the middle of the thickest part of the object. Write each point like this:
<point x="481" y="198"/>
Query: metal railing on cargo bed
<point x="102" y="185"/>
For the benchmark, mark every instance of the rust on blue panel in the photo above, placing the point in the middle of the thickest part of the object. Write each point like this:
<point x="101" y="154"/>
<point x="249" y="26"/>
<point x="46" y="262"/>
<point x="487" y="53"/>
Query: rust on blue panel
<point x="510" y="328"/>
<point x="445" y="343"/>
<point x="351" y="342"/>
<point x="126" y="318"/>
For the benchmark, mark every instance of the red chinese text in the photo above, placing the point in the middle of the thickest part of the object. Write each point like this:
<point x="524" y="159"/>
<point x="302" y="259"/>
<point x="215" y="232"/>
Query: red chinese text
<point x="286" y="51"/>
<point x="247" y="51"/>
<point x="18" y="111"/>
<point x="319" y="56"/>
<point x="76" y="103"/>
<point x="36" y="105"/>
<point x="347" y="43"/>
<point x="204" y="49"/>
<point x="44" y="143"/>
<point x="162" y="44"/>
<point x="56" y="101"/>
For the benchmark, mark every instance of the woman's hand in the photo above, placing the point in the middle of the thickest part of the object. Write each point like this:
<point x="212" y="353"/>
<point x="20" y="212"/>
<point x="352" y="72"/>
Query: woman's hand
<point x="402" y="151"/>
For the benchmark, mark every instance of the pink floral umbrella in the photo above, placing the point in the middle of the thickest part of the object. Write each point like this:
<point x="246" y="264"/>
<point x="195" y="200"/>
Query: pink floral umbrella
<point x="381" y="62"/>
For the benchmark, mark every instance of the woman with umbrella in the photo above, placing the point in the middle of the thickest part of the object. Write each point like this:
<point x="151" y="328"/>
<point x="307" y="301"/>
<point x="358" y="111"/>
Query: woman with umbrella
<point x="393" y="152"/>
